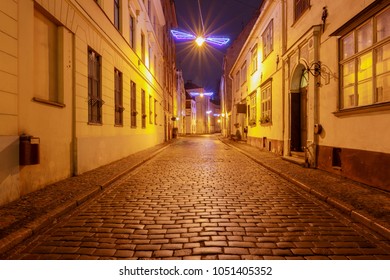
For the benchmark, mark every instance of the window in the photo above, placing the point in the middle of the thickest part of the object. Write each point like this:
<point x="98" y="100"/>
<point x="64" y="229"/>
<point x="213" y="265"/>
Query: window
<point x="117" y="14"/>
<point x="46" y="58"/>
<point x="95" y="101"/>
<point x="243" y="73"/>
<point x="151" y="109"/>
<point x="132" y="31"/>
<point x="252" y="110"/>
<point x="254" y="59"/>
<point x="155" y="111"/>
<point x="365" y="63"/>
<point x="133" y="104"/>
<point x="300" y="7"/>
<point x="266" y="105"/>
<point x="237" y="80"/>
<point x="118" y="98"/>
<point x="143" y="47"/>
<point x="143" y="108"/>
<point x="268" y="39"/>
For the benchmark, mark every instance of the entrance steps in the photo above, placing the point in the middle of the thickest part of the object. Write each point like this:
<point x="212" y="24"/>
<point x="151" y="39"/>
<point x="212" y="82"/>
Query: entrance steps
<point x="297" y="158"/>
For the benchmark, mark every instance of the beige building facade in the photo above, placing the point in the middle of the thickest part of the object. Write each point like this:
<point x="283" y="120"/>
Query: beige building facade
<point x="321" y="91"/>
<point x="84" y="82"/>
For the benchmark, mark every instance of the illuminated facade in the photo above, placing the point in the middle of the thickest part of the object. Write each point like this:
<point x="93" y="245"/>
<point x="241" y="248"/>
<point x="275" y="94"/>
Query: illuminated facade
<point x="92" y="81"/>
<point x="313" y="85"/>
<point x="203" y="107"/>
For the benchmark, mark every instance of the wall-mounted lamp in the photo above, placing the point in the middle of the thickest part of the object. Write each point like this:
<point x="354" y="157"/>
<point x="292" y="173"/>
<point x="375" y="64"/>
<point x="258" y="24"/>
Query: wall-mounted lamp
<point x="314" y="68"/>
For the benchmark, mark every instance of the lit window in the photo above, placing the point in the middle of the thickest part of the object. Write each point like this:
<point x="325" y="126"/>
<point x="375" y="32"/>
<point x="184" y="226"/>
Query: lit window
<point x="252" y="110"/>
<point x="254" y="59"/>
<point x="268" y="39"/>
<point x="365" y="63"/>
<point x="266" y="103"/>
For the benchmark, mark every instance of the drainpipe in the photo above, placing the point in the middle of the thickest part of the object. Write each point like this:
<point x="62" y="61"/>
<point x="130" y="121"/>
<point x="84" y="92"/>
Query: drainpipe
<point x="74" y="167"/>
<point x="284" y="48"/>
<point x="317" y="38"/>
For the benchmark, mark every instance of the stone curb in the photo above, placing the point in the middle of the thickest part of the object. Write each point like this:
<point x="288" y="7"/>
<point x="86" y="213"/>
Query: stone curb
<point x="31" y="228"/>
<point x="343" y="207"/>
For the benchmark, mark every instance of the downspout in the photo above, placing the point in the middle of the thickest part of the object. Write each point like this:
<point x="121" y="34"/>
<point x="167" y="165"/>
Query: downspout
<point x="232" y="107"/>
<point x="74" y="159"/>
<point x="317" y="35"/>
<point x="284" y="48"/>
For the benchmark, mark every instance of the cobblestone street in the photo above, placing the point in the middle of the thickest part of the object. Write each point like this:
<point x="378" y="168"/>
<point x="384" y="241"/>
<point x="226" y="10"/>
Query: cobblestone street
<point x="201" y="199"/>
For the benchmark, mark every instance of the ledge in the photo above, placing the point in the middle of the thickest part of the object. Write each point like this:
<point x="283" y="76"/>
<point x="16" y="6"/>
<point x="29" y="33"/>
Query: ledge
<point x="48" y="102"/>
<point x="363" y="109"/>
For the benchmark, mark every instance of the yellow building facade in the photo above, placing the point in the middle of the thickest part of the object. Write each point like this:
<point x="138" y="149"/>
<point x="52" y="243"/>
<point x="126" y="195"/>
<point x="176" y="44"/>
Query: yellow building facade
<point x="85" y="82"/>
<point x="312" y="84"/>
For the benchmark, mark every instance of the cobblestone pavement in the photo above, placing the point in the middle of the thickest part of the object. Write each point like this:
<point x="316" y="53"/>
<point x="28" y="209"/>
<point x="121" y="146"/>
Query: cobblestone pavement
<point x="201" y="199"/>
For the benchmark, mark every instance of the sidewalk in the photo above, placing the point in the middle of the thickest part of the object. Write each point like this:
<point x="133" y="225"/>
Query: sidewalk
<point x="364" y="204"/>
<point x="24" y="217"/>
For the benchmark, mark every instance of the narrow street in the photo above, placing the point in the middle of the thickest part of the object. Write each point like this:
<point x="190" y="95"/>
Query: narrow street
<point x="201" y="199"/>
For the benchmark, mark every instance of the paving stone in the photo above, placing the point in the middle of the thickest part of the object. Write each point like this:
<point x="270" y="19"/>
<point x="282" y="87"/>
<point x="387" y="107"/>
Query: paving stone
<point x="215" y="203"/>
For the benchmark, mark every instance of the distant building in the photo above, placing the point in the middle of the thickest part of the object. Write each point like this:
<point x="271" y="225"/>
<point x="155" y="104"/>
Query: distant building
<point x="190" y="114"/>
<point x="312" y="84"/>
<point x="83" y="83"/>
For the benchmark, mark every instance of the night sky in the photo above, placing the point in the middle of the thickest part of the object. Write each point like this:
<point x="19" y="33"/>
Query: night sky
<point x="226" y="18"/>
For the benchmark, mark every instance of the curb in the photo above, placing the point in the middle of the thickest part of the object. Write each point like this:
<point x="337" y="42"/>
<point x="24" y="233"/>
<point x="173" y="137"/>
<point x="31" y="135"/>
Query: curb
<point x="33" y="227"/>
<point x="354" y="214"/>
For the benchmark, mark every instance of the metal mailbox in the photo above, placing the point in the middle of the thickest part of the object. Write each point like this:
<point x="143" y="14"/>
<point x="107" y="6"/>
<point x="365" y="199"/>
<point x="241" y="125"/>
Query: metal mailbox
<point x="28" y="150"/>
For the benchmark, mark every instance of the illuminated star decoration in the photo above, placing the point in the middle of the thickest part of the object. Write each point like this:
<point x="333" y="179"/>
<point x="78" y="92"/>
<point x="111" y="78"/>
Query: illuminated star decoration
<point x="184" y="36"/>
<point x="181" y="35"/>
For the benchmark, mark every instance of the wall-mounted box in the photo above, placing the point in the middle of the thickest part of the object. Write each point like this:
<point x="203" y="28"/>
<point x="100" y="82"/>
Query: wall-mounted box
<point x="29" y="150"/>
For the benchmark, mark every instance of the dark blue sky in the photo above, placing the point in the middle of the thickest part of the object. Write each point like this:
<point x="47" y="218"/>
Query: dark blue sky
<point x="221" y="18"/>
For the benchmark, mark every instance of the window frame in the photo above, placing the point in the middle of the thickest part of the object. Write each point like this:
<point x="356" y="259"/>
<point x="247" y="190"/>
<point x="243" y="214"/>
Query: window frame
<point x="300" y="7"/>
<point x="252" y="112"/>
<point x="266" y="102"/>
<point x="53" y="93"/>
<point x="118" y="97"/>
<point x="132" y="32"/>
<point x="353" y="61"/>
<point x="254" y="59"/>
<point x="133" y="104"/>
<point x="117" y="14"/>
<point x="143" y="108"/>
<point x="268" y="39"/>
<point x="95" y="102"/>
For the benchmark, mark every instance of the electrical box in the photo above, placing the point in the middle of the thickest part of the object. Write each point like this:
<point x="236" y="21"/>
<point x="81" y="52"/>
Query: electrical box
<point x="28" y="150"/>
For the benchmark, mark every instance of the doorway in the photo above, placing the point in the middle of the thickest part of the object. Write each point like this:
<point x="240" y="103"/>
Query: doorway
<point x="298" y="111"/>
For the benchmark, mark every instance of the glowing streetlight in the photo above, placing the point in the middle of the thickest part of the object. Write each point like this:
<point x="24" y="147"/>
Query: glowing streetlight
<point x="200" y="40"/>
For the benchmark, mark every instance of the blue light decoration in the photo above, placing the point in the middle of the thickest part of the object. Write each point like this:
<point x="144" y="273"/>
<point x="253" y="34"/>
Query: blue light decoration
<point x="195" y="93"/>
<point x="182" y="35"/>
<point x="185" y="36"/>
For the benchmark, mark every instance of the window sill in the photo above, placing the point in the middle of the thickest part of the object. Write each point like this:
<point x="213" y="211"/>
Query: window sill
<point x="95" y="124"/>
<point x="48" y="102"/>
<point x="363" y="109"/>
